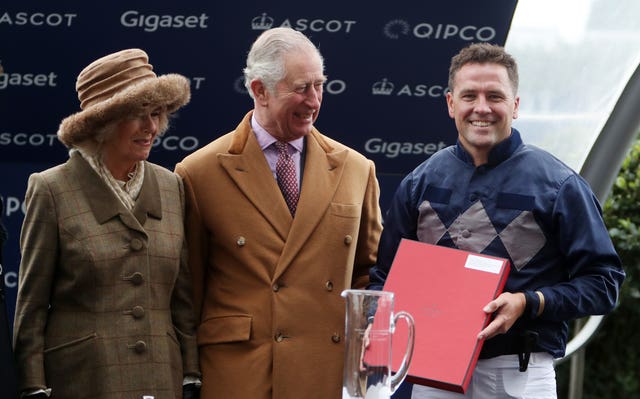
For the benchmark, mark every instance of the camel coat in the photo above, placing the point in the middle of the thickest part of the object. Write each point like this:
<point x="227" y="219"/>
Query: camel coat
<point x="104" y="300"/>
<point x="267" y="286"/>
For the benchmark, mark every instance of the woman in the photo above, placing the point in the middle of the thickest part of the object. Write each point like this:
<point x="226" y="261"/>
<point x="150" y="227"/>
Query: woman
<point x="7" y="371"/>
<point x="104" y="301"/>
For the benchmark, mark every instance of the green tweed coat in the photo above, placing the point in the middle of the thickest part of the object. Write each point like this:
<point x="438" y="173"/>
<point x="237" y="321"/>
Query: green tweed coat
<point x="104" y="299"/>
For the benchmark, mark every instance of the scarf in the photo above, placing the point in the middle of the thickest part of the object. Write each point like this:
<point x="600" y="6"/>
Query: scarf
<point x="127" y="192"/>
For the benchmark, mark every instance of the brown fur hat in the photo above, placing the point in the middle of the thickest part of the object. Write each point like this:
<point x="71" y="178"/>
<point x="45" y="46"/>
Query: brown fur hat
<point x="116" y="86"/>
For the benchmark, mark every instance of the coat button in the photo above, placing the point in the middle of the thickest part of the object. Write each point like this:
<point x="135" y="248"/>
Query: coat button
<point x="137" y="312"/>
<point x="136" y="244"/>
<point x="279" y="337"/>
<point x="241" y="241"/>
<point x="140" y="347"/>
<point x="275" y="287"/>
<point x="328" y="285"/>
<point x="136" y="278"/>
<point x="348" y="239"/>
<point x="335" y="338"/>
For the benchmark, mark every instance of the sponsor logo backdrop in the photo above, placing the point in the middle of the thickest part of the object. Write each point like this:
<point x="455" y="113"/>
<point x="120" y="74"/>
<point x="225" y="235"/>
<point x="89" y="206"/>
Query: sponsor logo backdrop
<point x="387" y="66"/>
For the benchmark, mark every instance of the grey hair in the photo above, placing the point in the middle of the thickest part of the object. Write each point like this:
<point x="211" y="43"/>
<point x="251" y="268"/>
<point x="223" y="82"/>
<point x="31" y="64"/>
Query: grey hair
<point x="265" y="61"/>
<point x="93" y="145"/>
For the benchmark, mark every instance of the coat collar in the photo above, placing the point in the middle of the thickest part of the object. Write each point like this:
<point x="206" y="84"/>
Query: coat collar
<point x="498" y="154"/>
<point x="104" y="203"/>
<point x="247" y="167"/>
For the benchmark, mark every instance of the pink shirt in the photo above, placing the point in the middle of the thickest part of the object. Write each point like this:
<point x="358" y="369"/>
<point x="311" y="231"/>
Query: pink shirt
<point x="265" y="140"/>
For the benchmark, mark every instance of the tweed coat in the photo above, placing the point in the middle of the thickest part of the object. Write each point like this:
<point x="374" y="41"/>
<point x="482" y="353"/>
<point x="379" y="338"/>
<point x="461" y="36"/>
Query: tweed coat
<point x="267" y="286"/>
<point x="104" y="301"/>
<point x="7" y="369"/>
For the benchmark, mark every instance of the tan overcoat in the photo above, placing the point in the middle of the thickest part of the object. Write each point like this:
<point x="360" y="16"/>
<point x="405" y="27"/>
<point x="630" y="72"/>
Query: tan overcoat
<point x="104" y="302"/>
<point x="268" y="286"/>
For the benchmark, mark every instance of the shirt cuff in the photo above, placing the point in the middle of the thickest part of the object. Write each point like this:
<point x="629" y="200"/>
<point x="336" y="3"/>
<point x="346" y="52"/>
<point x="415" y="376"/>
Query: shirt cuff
<point x="532" y="304"/>
<point x="26" y="395"/>
<point x="192" y="380"/>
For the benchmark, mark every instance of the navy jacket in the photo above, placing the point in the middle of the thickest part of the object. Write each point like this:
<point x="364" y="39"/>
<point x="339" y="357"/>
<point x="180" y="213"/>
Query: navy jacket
<point x="524" y="205"/>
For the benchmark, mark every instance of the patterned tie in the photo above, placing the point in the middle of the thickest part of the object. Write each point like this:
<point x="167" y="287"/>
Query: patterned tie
<point x="286" y="174"/>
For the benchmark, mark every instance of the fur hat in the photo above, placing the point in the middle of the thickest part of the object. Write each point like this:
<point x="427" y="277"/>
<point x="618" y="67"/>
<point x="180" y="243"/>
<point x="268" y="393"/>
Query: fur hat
<point x="116" y="86"/>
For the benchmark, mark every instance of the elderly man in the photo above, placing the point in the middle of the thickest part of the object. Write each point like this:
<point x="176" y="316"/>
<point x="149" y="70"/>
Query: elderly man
<point x="280" y="220"/>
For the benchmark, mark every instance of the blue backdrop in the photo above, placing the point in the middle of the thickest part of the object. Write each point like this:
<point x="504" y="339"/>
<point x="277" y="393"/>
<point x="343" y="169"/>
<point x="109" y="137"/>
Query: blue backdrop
<point x="387" y="67"/>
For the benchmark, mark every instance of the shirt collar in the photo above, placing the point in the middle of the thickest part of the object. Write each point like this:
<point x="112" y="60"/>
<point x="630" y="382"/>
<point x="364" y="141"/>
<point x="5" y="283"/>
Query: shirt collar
<point x="265" y="139"/>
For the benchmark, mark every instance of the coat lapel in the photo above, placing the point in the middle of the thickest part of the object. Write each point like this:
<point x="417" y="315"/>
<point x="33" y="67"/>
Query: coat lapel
<point x="104" y="203"/>
<point x="247" y="166"/>
<point x="322" y="173"/>
<point x="148" y="202"/>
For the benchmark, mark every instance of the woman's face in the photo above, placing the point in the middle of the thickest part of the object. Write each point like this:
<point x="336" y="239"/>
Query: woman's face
<point x="132" y="139"/>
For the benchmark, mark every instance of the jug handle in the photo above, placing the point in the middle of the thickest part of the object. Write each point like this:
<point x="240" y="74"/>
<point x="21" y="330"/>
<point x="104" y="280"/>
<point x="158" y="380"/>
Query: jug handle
<point x="400" y="375"/>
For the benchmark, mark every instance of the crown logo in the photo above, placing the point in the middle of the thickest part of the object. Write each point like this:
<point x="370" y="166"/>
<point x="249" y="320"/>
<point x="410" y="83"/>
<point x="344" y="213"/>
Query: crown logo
<point x="238" y="86"/>
<point x="262" y="22"/>
<point x="394" y="28"/>
<point x="382" y="88"/>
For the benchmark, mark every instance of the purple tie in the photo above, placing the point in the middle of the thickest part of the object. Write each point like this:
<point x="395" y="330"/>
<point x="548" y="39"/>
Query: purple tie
<point x="286" y="174"/>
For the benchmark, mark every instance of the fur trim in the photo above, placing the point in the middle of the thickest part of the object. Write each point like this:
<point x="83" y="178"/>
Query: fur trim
<point x="171" y="90"/>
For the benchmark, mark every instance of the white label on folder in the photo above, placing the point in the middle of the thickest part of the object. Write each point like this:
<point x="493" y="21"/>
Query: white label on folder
<point x="483" y="264"/>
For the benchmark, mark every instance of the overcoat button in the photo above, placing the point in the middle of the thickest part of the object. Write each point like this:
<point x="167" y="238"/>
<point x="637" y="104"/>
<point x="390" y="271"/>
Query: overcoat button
<point x="136" y="244"/>
<point x="348" y="239"/>
<point x="241" y="241"/>
<point x="137" y="312"/>
<point x="275" y="287"/>
<point x="279" y="337"/>
<point x="335" y="338"/>
<point x="328" y="285"/>
<point x="136" y="278"/>
<point x="140" y="346"/>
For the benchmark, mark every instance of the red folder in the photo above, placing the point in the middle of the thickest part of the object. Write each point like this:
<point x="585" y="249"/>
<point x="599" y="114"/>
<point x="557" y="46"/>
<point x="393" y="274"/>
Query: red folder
<point x="444" y="289"/>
